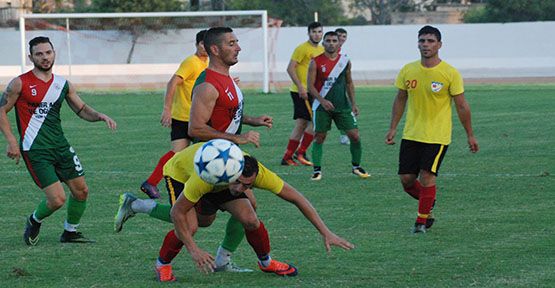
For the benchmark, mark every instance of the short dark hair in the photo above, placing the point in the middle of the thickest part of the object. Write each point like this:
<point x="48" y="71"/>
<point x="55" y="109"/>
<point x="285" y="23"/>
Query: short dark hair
<point x="39" y="40"/>
<point x="430" y="30"/>
<point x="330" y="33"/>
<point x="214" y="36"/>
<point x="251" y="166"/>
<point x="200" y="35"/>
<point x="341" y="30"/>
<point x="314" y="25"/>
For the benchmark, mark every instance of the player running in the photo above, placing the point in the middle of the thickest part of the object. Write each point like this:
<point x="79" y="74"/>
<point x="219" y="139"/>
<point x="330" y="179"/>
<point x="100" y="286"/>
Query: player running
<point x="38" y="96"/>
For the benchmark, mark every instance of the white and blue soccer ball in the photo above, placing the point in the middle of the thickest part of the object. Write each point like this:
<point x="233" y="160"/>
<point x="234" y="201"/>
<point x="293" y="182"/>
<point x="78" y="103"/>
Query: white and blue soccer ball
<point x="219" y="161"/>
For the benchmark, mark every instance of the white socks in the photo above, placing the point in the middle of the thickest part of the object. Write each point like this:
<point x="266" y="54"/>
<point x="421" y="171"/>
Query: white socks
<point x="143" y="205"/>
<point x="223" y="257"/>
<point x="70" y="227"/>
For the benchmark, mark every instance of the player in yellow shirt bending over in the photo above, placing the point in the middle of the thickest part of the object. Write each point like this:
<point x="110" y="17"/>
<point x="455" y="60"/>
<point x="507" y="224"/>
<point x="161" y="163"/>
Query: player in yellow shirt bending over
<point x="198" y="202"/>
<point x="429" y="86"/>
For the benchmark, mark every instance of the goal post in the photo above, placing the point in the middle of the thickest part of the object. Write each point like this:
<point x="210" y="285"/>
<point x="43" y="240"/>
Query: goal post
<point x="133" y="38"/>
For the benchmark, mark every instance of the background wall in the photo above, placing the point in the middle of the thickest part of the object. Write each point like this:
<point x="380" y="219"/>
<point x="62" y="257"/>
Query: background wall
<point x="479" y="51"/>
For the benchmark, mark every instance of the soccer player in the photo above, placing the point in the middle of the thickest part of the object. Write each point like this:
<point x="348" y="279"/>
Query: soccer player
<point x="342" y="34"/>
<point x="428" y="87"/>
<point x="329" y="80"/>
<point x="207" y="199"/>
<point x="177" y="105"/>
<point x="297" y="69"/>
<point x="38" y="96"/>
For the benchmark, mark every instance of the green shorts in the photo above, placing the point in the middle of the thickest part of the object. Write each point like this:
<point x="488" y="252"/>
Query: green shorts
<point x="344" y="120"/>
<point x="48" y="166"/>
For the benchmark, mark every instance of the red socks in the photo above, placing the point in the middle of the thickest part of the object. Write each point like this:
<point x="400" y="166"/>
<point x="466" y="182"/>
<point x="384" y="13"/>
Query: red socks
<point x="156" y="175"/>
<point x="425" y="203"/>
<point x="414" y="190"/>
<point x="305" y="143"/>
<point x="170" y="248"/>
<point x="259" y="240"/>
<point x="291" y="148"/>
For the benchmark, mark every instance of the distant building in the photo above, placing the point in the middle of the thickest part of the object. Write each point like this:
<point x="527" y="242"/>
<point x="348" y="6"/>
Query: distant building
<point x="11" y="9"/>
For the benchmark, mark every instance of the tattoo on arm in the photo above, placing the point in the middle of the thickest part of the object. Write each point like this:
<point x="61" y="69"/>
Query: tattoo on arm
<point x="3" y="100"/>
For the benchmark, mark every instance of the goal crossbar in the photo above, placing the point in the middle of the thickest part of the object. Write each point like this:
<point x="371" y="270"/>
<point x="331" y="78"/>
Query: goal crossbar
<point x="262" y="13"/>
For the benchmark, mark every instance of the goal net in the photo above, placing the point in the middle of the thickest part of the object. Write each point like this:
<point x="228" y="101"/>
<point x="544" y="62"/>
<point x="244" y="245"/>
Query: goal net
<point x="143" y="50"/>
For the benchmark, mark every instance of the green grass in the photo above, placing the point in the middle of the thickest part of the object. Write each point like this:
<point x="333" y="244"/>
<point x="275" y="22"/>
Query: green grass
<point x="495" y="215"/>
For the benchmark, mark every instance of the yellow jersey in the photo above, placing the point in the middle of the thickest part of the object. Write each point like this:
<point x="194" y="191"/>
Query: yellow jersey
<point x="181" y="168"/>
<point x="430" y="92"/>
<point x="188" y="70"/>
<point x="302" y="55"/>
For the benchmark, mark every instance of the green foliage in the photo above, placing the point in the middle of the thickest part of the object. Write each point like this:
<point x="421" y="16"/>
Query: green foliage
<point x="295" y="12"/>
<point x="512" y="11"/>
<point x="136" y="5"/>
<point x="494" y="213"/>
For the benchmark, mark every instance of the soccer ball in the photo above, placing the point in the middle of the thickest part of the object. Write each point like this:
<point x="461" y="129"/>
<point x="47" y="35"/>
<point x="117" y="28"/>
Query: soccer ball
<point x="219" y="161"/>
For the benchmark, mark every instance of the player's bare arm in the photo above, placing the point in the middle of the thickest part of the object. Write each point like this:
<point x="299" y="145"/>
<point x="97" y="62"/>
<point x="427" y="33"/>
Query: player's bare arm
<point x="291" y="195"/>
<point x="310" y="83"/>
<point x="463" y="110"/>
<point x="263" y="120"/>
<point x="7" y="102"/>
<point x="183" y="217"/>
<point x="351" y="89"/>
<point x="292" y="72"/>
<point x="86" y="112"/>
<point x="166" y="118"/>
<point x="396" y="113"/>
<point x="204" y="99"/>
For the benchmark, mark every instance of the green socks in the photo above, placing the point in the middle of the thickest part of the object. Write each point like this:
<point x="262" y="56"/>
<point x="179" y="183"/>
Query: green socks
<point x="161" y="212"/>
<point x="317" y="154"/>
<point x="42" y="211"/>
<point x="356" y="152"/>
<point x="234" y="234"/>
<point x="75" y="210"/>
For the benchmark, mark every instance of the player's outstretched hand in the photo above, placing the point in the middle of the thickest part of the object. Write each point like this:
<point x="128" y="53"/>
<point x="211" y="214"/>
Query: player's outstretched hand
<point x="390" y="137"/>
<point x="249" y="137"/>
<point x="166" y="119"/>
<point x="335" y="240"/>
<point x="205" y="261"/>
<point x="109" y="122"/>
<point x="13" y="152"/>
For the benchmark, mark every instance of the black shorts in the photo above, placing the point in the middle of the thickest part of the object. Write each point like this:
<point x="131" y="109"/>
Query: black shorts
<point x="301" y="108"/>
<point x="415" y="156"/>
<point x="179" y="130"/>
<point x="208" y="204"/>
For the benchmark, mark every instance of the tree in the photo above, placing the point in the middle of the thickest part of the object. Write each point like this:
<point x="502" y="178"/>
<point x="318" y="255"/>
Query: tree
<point x="381" y="9"/>
<point x="136" y="26"/>
<point x="512" y="11"/>
<point x="295" y="12"/>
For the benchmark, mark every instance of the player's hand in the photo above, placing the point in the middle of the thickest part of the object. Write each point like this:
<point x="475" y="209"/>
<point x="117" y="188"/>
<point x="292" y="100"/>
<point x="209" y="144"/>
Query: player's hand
<point x="109" y="122"/>
<point x="264" y="120"/>
<point x="205" y="261"/>
<point x="473" y="144"/>
<point x="328" y="106"/>
<point x="236" y="80"/>
<point x="335" y="240"/>
<point x="355" y="110"/>
<point x="249" y="137"/>
<point x="303" y="94"/>
<point x="13" y="152"/>
<point x="390" y="137"/>
<point x="166" y="119"/>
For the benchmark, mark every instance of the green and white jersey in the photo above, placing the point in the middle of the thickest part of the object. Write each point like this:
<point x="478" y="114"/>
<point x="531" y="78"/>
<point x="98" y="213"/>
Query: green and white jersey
<point x="38" y="112"/>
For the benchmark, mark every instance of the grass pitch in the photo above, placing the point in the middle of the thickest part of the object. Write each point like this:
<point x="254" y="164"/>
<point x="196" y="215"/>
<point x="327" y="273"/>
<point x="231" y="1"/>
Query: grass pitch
<point x="495" y="221"/>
